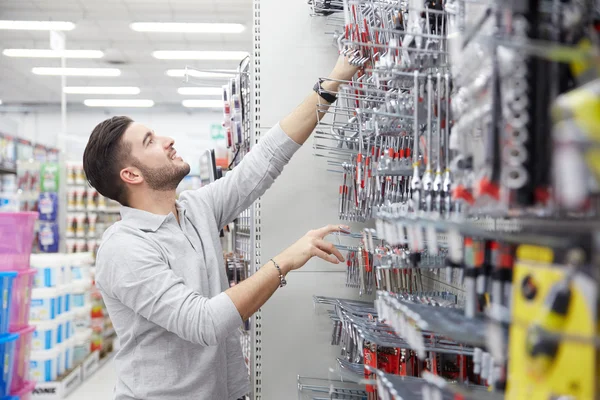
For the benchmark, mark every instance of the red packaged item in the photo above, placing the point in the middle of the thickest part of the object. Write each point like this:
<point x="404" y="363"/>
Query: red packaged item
<point x="370" y="357"/>
<point x="388" y="360"/>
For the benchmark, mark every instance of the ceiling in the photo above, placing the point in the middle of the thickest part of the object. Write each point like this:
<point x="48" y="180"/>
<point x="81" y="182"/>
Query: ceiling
<point x="104" y="25"/>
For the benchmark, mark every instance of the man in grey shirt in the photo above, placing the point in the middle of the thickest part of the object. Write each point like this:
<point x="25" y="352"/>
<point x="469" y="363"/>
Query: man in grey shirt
<point x="161" y="270"/>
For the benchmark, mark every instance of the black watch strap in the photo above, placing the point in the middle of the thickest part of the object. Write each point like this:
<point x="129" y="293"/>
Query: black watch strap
<point x="328" y="97"/>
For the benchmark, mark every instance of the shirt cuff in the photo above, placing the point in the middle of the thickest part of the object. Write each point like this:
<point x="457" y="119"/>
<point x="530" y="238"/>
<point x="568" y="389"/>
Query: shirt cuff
<point x="243" y="391"/>
<point x="284" y="146"/>
<point x="225" y="314"/>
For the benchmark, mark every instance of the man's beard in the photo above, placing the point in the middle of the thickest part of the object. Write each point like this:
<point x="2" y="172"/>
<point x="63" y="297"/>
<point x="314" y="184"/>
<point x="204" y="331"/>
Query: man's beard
<point x="163" y="178"/>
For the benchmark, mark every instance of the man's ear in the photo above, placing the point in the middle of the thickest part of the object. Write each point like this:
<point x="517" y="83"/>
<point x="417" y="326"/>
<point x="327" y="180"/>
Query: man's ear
<point x="131" y="175"/>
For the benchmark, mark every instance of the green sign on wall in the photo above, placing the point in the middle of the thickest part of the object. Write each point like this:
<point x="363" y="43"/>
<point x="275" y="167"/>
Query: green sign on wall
<point x="217" y="132"/>
<point x="49" y="177"/>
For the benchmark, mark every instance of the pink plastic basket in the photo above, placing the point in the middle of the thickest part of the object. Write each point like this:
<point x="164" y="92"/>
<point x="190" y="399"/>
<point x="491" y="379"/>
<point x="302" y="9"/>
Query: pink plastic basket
<point x="21" y="359"/>
<point x="21" y="299"/>
<point x="26" y="392"/>
<point x="16" y="240"/>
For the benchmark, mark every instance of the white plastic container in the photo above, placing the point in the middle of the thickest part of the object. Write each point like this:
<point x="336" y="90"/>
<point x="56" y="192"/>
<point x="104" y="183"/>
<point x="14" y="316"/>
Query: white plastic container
<point x="70" y="354"/>
<point x="60" y="306"/>
<point x="83" y="345"/>
<point x="44" y="304"/>
<point x="68" y="328"/>
<point x="68" y="297"/>
<point x="65" y="327"/>
<point x="67" y="273"/>
<point x="65" y="300"/>
<point x="60" y="336"/>
<point x="82" y="318"/>
<point x="49" y="269"/>
<point x="80" y="266"/>
<point x="80" y="295"/>
<point x="45" y="336"/>
<point x="43" y="365"/>
<point x="60" y="362"/>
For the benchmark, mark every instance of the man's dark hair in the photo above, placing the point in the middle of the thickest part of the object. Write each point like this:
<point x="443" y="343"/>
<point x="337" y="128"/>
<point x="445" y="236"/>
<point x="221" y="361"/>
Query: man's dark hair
<point x="104" y="157"/>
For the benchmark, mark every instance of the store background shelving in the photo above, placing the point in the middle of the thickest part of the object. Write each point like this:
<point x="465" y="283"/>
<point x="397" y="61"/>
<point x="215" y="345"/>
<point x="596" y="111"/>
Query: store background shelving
<point x="75" y="240"/>
<point x="24" y="184"/>
<point x="89" y="214"/>
<point x="32" y="113"/>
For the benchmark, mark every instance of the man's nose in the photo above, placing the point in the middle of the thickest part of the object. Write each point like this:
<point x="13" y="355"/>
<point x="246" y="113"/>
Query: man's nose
<point x="168" y="142"/>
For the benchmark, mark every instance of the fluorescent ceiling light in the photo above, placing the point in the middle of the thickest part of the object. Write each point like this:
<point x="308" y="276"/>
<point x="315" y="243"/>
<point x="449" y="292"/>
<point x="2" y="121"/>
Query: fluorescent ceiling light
<point x="0" y="102"/>
<point x="118" y="103"/>
<point x="47" y="53"/>
<point x="180" y="73"/>
<point x="199" y="55"/>
<point x="184" y="27"/>
<point x="208" y="91"/>
<point x="102" y="90"/>
<point x="76" y="71"/>
<point x="37" y="25"/>
<point x="203" y="103"/>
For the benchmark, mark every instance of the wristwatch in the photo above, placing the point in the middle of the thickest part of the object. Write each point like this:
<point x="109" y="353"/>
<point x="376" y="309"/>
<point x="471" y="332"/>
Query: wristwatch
<point x="328" y="97"/>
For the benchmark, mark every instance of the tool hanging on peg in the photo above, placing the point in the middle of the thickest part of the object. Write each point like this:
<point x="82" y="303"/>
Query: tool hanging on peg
<point x="437" y="182"/>
<point x="349" y="269"/>
<point x="416" y="184"/>
<point x="447" y="183"/>
<point x="489" y="184"/>
<point x="427" y="181"/>
<point x="342" y="197"/>
<point x="369" y="280"/>
<point x="361" y="271"/>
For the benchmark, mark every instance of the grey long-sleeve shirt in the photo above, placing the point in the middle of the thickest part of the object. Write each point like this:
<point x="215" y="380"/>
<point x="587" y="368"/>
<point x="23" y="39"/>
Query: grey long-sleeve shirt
<point x="163" y="285"/>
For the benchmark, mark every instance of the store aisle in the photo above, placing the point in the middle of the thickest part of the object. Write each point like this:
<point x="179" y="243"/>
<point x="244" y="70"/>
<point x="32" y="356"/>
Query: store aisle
<point x="100" y="385"/>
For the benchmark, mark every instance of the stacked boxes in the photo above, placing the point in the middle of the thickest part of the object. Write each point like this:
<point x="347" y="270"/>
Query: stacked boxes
<point x="60" y="307"/>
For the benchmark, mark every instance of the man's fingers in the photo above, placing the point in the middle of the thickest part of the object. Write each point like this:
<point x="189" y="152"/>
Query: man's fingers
<point x="329" y="248"/>
<point x="323" y="255"/>
<point x="326" y="230"/>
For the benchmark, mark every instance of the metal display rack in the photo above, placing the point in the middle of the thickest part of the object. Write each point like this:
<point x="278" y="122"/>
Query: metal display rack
<point x="255" y="80"/>
<point x="241" y="136"/>
<point x="244" y="234"/>
<point x="442" y="139"/>
<point x="450" y="174"/>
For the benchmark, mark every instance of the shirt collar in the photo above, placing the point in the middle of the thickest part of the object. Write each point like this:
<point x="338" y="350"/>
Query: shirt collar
<point x="145" y="220"/>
